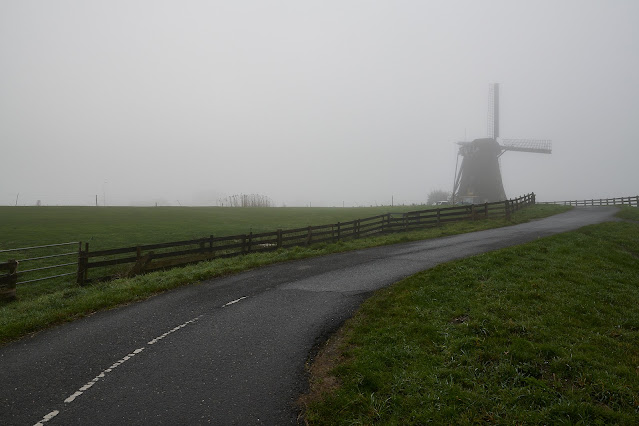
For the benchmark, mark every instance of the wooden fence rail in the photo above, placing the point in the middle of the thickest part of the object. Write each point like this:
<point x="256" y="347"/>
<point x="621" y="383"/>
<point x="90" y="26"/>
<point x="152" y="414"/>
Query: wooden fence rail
<point x="623" y="201"/>
<point x="107" y="264"/>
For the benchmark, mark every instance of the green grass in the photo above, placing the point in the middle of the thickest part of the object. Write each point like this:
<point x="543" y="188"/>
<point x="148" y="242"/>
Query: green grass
<point x="113" y="227"/>
<point x="629" y="213"/>
<point x="543" y="333"/>
<point x="41" y="305"/>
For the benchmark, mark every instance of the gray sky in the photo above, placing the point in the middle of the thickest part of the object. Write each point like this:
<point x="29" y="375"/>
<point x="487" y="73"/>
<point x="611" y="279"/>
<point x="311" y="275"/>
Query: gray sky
<point x="317" y="102"/>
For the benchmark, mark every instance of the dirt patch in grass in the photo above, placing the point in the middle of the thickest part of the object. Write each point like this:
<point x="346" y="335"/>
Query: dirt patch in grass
<point x="322" y="381"/>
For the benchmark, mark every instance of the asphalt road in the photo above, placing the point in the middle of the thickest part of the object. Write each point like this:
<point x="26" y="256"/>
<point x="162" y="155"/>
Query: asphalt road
<point x="226" y="351"/>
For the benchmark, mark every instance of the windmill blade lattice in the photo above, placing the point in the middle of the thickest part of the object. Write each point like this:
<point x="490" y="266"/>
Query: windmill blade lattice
<point x="541" y="146"/>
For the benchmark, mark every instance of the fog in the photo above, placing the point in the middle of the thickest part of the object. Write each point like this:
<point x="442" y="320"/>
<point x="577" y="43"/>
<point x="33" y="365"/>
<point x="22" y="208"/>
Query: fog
<point x="323" y="103"/>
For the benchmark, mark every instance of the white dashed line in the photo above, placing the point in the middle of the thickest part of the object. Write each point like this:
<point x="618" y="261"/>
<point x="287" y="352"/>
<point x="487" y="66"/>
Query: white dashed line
<point x="173" y="330"/>
<point x="115" y="365"/>
<point x="234" y="301"/>
<point x="47" y="418"/>
<point x="101" y="375"/>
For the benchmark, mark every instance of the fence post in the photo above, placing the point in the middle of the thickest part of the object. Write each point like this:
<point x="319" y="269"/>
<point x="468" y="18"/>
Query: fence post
<point x="212" y="255"/>
<point x="309" y="238"/>
<point x="279" y="238"/>
<point x="83" y="262"/>
<point x="507" y="209"/>
<point x="8" y="282"/>
<point x="86" y="263"/>
<point x="637" y="201"/>
<point x="250" y="241"/>
<point x="472" y="212"/>
<point x="357" y="223"/>
<point x="534" y="198"/>
<point x="339" y="231"/>
<point x="486" y="209"/>
<point x="438" y="217"/>
<point x="80" y="276"/>
<point x="244" y="251"/>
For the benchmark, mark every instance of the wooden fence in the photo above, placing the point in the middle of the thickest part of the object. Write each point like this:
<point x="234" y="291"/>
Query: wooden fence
<point x="624" y="201"/>
<point x="108" y="264"/>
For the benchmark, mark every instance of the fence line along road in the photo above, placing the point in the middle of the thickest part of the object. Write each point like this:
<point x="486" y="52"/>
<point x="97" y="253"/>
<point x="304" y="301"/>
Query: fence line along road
<point x="621" y="201"/>
<point x="109" y="264"/>
<point x="130" y="261"/>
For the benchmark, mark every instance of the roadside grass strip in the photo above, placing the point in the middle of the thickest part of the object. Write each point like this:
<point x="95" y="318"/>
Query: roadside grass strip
<point x="543" y="333"/>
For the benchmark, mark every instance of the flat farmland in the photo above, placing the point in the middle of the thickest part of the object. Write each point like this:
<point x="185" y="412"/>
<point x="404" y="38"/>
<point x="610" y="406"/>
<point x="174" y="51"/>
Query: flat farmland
<point x="44" y="303"/>
<point x="109" y="227"/>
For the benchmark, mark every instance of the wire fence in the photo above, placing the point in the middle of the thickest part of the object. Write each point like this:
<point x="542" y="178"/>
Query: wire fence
<point x="42" y="258"/>
<point x="25" y="265"/>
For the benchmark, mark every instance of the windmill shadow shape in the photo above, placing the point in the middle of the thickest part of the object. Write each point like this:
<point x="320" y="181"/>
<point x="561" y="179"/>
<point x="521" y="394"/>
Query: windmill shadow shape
<point x="478" y="180"/>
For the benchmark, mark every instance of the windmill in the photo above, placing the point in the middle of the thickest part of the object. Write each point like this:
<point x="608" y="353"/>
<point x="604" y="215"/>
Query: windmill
<point x="478" y="180"/>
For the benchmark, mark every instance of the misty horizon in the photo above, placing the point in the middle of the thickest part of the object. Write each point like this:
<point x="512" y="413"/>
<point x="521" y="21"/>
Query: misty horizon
<point x="318" y="104"/>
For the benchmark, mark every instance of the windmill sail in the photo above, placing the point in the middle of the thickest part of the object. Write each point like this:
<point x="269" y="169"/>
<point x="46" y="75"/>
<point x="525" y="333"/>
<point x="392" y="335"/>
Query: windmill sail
<point x="541" y="146"/>
<point x="493" y="111"/>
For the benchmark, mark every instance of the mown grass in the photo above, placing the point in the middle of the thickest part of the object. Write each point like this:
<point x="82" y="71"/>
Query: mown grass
<point x="109" y="227"/>
<point x="41" y="305"/>
<point x="629" y="213"/>
<point x="543" y="333"/>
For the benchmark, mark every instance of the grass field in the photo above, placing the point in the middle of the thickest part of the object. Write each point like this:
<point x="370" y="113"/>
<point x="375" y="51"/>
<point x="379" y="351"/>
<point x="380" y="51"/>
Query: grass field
<point x="109" y="227"/>
<point x="543" y="333"/>
<point x="40" y="305"/>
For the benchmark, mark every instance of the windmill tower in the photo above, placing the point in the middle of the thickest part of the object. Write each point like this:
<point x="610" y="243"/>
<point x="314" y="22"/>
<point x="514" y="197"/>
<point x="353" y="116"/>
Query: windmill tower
<point x="478" y="180"/>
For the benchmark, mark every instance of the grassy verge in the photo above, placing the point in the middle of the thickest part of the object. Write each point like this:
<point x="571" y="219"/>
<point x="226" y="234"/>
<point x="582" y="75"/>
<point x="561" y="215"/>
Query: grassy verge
<point x="629" y="213"/>
<point x="542" y="333"/>
<point x="42" y="305"/>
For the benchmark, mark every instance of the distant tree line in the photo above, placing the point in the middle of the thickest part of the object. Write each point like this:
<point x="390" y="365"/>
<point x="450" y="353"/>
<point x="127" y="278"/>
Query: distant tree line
<point x="247" y="200"/>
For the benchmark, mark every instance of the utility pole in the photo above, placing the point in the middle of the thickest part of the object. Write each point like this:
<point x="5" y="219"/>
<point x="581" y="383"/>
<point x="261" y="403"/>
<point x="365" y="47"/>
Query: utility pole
<point x="17" y="199"/>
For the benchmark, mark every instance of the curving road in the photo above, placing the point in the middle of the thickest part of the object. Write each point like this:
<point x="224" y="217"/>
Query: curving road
<point x="226" y="351"/>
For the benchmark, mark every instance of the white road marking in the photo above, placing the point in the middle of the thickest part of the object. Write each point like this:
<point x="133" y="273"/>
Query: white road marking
<point x="115" y="365"/>
<point x="101" y="375"/>
<point x="234" y="301"/>
<point x="173" y="330"/>
<point x="47" y="418"/>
